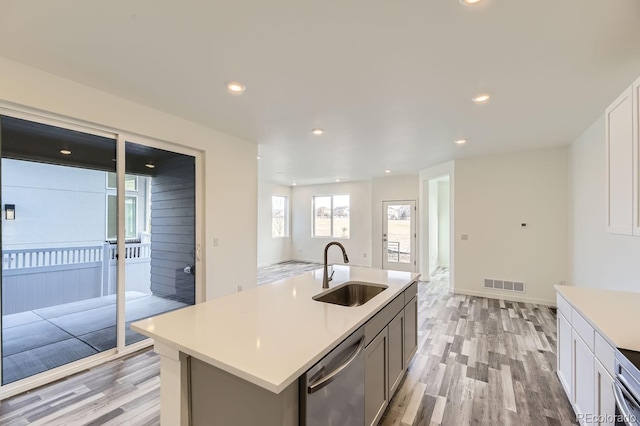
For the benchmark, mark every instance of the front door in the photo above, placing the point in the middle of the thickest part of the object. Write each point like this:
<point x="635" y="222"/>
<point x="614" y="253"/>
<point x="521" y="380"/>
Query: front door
<point x="399" y="235"/>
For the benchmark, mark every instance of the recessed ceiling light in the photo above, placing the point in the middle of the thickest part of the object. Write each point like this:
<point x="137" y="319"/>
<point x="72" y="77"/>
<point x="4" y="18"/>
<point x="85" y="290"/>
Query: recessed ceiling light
<point x="469" y="2"/>
<point x="481" y="98"/>
<point x="387" y="171"/>
<point x="293" y="184"/>
<point x="317" y="131"/>
<point x="460" y="141"/>
<point x="235" y="87"/>
<point x="337" y="180"/>
<point x="65" y="152"/>
<point x="279" y="174"/>
<point x="259" y="157"/>
<point x="150" y="165"/>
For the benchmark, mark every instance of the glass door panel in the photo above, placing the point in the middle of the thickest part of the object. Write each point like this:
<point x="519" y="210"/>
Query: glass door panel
<point x="160" y="228"/>
<point x="58" y="288"/>
<point x="398" y="235"/>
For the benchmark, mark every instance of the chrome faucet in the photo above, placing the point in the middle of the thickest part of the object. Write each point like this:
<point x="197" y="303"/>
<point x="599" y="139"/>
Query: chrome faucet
<point x="325" y="279"/>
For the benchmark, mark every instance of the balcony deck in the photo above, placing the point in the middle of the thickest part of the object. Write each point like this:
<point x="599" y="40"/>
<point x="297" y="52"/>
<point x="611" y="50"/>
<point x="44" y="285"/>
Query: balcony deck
<point x="41" y="339"/>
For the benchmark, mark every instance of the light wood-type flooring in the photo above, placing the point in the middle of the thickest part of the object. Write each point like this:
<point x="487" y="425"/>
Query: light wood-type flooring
<point x="479" y="361"/>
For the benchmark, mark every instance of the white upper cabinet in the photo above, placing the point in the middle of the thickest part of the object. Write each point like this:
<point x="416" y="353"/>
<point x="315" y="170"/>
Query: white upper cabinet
<point x="620" y="165"/>
<point x="636" y="156"/>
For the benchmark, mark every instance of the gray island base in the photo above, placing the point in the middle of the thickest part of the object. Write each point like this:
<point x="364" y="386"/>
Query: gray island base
<point x="239" y="360"/>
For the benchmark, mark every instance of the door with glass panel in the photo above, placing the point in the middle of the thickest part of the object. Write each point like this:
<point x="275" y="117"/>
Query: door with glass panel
<point x="398" y="235"/>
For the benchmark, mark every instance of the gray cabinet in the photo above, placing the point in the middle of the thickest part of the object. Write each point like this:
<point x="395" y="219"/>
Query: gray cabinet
<point x="410" y="330"/>
<point x="387" y="355"/>
<point x="396" y="352"/>
<point x="376" y="393"/>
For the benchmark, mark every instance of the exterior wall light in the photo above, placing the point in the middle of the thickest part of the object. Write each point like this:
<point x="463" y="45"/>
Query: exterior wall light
<point x="10" y="211"/>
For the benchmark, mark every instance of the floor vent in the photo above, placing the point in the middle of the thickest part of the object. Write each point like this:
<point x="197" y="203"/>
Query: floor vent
<point x="504" y="285"/>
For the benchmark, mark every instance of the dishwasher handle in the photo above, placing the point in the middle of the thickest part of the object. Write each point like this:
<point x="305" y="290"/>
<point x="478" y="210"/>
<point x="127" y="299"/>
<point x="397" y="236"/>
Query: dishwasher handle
<point x="320" y="383"/>
<point x="622" y="395"/>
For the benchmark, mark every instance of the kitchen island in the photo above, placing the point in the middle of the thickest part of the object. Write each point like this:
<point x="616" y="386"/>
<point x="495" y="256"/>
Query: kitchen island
<point x="255" y="345"/>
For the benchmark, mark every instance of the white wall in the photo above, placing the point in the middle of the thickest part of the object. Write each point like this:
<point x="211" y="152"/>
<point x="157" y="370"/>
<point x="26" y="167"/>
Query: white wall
<point x="230" y="169"/>
<point x="434" y="225"/>
<point x="388" y="188"/>
<point x="599" y="259"/>
<point x="358" y="246"/>
<point x="493" y="196"/>
<point x="272" y="249"/>
<point x="443" y="223"/>
<point x="55" y="206"/>
<point x="59" y="206"/>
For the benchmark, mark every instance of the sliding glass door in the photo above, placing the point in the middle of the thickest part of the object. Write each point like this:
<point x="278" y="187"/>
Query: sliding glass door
<point x="56" y="302"/>
<point x="96" y="233"/>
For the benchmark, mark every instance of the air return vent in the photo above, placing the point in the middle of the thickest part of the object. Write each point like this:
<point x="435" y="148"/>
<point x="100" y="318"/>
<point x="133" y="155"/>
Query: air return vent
<point x="504" y="285"/>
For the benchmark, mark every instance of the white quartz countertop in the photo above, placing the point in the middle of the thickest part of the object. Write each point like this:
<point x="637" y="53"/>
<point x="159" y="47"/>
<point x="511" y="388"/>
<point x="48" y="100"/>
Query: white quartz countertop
<point x="270" y="335"/>
<point x="613" y="313"/>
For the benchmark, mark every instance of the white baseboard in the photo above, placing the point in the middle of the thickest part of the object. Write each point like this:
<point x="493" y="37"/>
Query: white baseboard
<point x="502" y="296"/>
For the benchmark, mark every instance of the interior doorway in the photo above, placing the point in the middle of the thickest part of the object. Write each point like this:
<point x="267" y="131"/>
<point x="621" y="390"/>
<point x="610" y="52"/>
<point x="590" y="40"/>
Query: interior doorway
<point x="439" y="223"/>
<point x="399" y="235"/>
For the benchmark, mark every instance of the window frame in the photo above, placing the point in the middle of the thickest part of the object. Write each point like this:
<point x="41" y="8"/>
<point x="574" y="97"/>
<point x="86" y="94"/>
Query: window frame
<point x="135" y="236"/>
<point x="313" y="216"/>
<point x="285" y="216"/>
<point x="129" y="194"/>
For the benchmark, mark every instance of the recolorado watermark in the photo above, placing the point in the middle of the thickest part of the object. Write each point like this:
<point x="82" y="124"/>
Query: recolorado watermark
<point x="605" y="418"/>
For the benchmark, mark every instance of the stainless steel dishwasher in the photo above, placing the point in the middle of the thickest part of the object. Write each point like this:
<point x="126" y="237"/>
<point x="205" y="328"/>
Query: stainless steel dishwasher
<point x="332" y="391"/>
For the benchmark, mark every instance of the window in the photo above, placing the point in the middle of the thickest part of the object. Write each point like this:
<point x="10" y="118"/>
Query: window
<point x="130" y="216"/>
<point x="279" y="216"/>
<point x="331" y="216"/>
<point x="130" y="182"/>
<point x="130" y="207"/>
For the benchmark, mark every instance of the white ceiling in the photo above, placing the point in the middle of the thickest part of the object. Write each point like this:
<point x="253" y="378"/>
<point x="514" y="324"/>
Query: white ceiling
<point x="389" y="80"/>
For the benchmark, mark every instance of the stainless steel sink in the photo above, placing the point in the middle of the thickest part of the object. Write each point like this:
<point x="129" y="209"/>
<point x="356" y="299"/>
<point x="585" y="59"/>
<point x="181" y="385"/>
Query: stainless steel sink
<point x="351" y="293"/>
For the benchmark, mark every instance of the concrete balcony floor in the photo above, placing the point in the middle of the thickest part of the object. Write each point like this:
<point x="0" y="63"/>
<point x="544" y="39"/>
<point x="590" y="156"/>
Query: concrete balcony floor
<point x="42" y="339"/>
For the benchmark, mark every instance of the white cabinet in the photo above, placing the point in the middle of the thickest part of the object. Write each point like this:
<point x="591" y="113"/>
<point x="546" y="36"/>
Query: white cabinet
<point x="619" y="155"/>
<point x="376" y="394"/>
<point x="564" y="351"/>
<point x="622" y="136"/>
<point x="636" y="156"/>
<point x="605" y="403"/>
<point x="585" y="365"/>
<point x="583" y="377"/>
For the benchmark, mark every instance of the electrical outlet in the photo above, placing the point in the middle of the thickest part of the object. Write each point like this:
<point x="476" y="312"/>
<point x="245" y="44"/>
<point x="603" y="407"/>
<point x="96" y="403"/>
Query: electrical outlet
<point x="216" y="242"/>
<point x="364" y="255"/>
<point x="239" y="288"/>
<point x="464" y="237"/>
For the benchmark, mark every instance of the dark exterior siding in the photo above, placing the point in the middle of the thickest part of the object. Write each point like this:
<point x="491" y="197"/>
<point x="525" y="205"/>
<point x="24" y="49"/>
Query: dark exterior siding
<point x="173" y="229"/>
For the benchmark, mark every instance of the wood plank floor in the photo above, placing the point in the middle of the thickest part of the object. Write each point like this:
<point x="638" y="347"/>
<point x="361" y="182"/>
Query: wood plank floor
<point x="479" y="361"/>
<point x="279" y="271"/>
